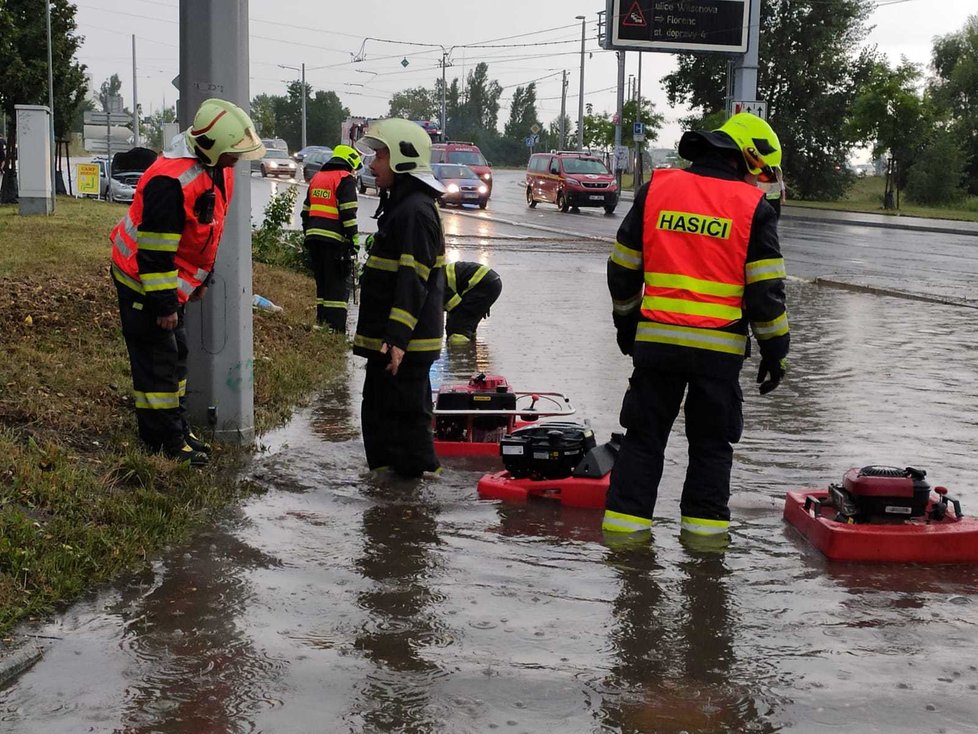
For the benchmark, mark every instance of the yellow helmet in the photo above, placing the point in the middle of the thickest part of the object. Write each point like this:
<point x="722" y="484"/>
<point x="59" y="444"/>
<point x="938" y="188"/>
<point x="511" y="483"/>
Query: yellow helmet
<point x="222" y="127"/>
<point x="747" y="133"/>
<point x="409" y="145"/>
<point x="350" y="156"/>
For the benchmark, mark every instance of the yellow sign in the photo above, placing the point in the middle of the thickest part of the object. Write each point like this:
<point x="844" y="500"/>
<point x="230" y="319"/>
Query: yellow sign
<point x="88" y="178"/>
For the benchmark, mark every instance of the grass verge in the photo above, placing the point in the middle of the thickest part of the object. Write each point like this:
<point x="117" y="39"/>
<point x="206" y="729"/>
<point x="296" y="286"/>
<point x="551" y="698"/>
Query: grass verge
<point x="79" y="500"/>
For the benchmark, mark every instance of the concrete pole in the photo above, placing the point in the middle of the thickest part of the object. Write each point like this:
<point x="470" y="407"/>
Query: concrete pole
<point x="135" y="97"/>
<point x="580" y="96"/>
<point x="303" y="105"/>
<point x="54" y="150"/>
<point x="745" y="70"/>
<point x="444" y="91"/>
<point x="220" y="331"/>
<point x="563" y="111"/>
<point x="621" y="112"/>
<point x="639" y="145"/>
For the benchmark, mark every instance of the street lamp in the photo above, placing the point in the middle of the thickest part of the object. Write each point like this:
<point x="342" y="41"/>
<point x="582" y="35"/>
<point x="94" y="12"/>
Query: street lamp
<point x="580" y="100"/>
<point x="303" y="71"/>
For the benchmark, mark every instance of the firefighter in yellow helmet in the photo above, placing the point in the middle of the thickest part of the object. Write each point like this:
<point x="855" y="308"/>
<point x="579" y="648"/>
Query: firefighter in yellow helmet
<point x="329" y="221"/>
<point x="401" y="323"/>
<point x="696" y="264"/>
<point x="163" y="253"/>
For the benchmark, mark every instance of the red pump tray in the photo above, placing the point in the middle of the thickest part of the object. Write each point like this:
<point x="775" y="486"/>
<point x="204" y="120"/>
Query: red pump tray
<point x="568" y="491"/>
<point x="950" y="540"/>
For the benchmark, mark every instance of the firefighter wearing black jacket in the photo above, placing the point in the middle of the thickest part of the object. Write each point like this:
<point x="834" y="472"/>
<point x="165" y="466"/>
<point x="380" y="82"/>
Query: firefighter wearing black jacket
<point x="696" y="259"/>
<point x="470" y="291"/>
<point x="329" y="221"/>
<point x="163" y="253"/>
<point x="401" y="322"/>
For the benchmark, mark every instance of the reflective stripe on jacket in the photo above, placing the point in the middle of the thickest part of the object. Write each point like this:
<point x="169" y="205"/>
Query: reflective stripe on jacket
<point x="322" y="207"/>
<point x="194" y="249"/>
<point x="696" y="231"/>
<point x="454" y="288"/>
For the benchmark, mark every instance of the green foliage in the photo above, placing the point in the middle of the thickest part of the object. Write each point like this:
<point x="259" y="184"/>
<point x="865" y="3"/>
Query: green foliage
<point x="281" y="116"/>
<point x="272" y="242"/>
<point x="154" y="132"/>
<point x="955" y="63"/>
<point x="890" y="113"/>
<point x="937" y="176"/>
<point x="24" y="64"/>
<point x="418" y="103"/>
<point x="808" y="73"/>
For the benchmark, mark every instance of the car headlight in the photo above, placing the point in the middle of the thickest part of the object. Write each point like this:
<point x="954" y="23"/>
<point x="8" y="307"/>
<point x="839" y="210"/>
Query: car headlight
<point x="272" y="164"/>
<point x="483" y="189"/>
<point x="452" y="188"/>
<point x="487" y="176"/>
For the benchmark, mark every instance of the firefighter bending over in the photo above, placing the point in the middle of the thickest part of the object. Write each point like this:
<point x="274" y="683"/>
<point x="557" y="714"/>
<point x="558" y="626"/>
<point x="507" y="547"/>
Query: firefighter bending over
<point x="470" y="291"/>
<point x="163" y="254"/>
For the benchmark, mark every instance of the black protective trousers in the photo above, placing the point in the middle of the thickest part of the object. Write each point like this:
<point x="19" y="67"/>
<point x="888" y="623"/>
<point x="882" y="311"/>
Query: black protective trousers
<point x="714" y="422"/>
<point x="396" y="419"/>
<point x="331" y="268"/>
<point x="158" y="361"/>
<point x="465" y="317"/>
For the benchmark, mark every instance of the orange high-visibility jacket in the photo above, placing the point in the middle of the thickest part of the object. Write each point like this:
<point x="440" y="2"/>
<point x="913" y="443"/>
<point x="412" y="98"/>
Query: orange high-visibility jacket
<point x="322" y="210"/>
<point x="194" y="249"/>
<point x="696" y="231"/>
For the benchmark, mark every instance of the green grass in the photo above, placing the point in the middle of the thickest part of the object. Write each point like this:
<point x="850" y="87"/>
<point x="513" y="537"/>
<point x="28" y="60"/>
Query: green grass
<point x="79" y="500"/>
<point x="866" y="195"/>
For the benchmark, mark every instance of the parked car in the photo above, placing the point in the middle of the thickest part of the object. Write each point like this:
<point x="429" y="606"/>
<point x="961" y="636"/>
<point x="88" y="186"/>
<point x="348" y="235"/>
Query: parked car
<point x="462" y="185"/>
<point x="467" y="154"/>
<point x="123" y="185"/>
<point x="314" y="161"/>
<point x="570" y="180"/>
<point x="275" y="163"/>
<point x="365" y="177"/>
<point x="298" y="156"/>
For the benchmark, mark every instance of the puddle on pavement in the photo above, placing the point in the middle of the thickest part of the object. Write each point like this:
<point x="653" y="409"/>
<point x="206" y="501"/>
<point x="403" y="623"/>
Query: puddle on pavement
<point x="340" y="602"/>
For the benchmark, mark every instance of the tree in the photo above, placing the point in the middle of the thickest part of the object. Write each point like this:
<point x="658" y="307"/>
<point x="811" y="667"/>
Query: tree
<point x="808" y="73"/>
<point x="108" y="91"/>
<point x="938" y="174"/>
<point x="24" y="69"/>
<point x="154" y="136"/>
<point x="480" y="110"/>
<point x="522" y="113"/>
<point x="891" y="114"/>
<point x="418" y="103"/>
<point x="263" y="115"/>
<point x="955" y="63"/>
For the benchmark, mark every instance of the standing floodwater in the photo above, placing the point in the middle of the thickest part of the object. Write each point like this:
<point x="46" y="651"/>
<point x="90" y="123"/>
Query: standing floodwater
<point x="335" y="602"/>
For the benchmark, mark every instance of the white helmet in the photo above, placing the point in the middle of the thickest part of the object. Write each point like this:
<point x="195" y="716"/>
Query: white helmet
<point x="222" y="127"/>
<point x="409" y="145"/>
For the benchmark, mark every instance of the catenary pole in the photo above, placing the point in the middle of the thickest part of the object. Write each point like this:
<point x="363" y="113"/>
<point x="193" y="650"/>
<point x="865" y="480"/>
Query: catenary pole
<point x="563" y="111"/>
<point x="220" y="331"/>
<point x="580" y="96"/>
<point x="135" y="98"/>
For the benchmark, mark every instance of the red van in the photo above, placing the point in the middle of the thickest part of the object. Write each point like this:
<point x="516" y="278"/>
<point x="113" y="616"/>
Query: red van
<point x="467" y="154"/>
<point x="570" y="180"/>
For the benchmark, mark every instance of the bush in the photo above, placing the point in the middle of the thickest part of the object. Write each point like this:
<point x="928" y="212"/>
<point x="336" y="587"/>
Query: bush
<point x="937" y="176"/>
<point x="273" y="243"/>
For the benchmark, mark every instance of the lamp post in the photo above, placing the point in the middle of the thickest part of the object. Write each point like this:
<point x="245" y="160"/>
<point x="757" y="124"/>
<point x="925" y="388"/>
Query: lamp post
<point x="580" y="100"/>
<point x="302" y="70"/>
<point x="54" y="185"/>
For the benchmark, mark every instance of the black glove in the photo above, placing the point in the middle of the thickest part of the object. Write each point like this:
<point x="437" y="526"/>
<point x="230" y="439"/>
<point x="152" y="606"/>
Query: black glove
<point x="625" y="328"/>
<point x="773" y="370"/>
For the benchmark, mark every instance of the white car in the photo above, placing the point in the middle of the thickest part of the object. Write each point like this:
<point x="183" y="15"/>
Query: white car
<point x="275" y="163"/>
<point x="123" y="185"/>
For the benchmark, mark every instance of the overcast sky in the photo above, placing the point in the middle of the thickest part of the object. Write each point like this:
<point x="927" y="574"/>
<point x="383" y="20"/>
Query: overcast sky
<point x="542" y="38"/>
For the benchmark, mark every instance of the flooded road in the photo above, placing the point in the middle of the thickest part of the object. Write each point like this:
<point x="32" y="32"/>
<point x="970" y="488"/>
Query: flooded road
<point x="338" y="602"/>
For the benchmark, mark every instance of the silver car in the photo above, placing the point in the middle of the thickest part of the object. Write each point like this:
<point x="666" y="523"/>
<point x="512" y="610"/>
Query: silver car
<point x="275" y="163"/>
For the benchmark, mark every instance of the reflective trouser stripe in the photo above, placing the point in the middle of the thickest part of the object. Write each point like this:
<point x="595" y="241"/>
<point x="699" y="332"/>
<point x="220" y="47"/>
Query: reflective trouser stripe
<point x="701" y="526"/>
<point x="156" y="400"/>
<point x="619" y="522"/>
<point x="415" y="345"/>
<point x="331" y="304"/>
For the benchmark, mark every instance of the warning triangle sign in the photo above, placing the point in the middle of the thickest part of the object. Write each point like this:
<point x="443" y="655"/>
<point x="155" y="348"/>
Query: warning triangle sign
<point x="634" y="17"/>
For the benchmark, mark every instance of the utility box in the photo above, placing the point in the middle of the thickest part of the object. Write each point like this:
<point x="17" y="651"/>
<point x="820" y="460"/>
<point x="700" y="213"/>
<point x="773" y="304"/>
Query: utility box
<point x="34" y="175"/>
